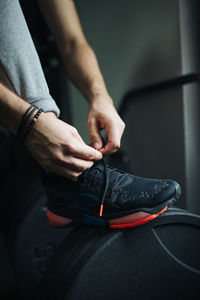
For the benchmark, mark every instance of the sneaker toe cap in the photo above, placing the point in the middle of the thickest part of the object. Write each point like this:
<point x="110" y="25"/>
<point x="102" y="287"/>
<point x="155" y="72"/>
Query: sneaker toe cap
<point x="170" y="190"/>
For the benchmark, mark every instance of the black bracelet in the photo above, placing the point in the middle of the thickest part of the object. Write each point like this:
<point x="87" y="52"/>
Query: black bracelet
<point x="24" y="119"/>
<point x="30" y="125"/>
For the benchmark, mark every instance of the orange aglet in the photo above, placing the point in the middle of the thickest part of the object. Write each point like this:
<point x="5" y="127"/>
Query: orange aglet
<point x="101" y="210"/>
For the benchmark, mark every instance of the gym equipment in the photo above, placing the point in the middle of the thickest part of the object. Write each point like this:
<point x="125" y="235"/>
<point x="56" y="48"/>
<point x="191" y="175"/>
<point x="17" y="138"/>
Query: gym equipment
<point x="159" y="260"/>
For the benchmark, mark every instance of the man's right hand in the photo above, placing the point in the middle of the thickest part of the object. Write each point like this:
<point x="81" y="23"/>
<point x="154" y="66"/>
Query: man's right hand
<point x="58" y="147"/>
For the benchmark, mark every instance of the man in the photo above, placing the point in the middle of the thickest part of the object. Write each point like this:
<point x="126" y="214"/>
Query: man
<point x="56" y="145"/>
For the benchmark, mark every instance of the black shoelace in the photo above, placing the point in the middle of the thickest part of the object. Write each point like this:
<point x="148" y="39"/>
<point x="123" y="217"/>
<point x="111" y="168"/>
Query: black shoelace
<point x="106" y="174"/>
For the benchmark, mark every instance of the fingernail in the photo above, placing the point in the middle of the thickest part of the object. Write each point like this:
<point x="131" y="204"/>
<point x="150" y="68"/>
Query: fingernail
<point x="96" y="145"/>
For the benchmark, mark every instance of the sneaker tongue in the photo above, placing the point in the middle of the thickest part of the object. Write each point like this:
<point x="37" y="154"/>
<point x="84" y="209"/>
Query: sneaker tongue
<point x="97" y="166"/>
<point x="92" y="171"/>
<point x="100" y="166"/>
<point x="114" y="174"/>
<point x="93" y="180"/>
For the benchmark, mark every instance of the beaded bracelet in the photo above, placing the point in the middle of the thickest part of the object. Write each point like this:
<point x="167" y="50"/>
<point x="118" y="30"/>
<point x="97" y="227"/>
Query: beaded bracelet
<point x="31" y="109"/>
<point x="32" y="122"/>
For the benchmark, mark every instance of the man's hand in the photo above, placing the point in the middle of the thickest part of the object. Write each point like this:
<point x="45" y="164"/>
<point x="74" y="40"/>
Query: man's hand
<point x="58" y="147"/>
<point x="103" y="115"/>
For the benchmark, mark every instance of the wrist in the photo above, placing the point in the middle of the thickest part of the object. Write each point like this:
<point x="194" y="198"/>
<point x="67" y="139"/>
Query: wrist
<point x="50" y="114"/>
<point x="44" y="118"/>
<point x="28" y="121"/>
<point x="100" y="97"/>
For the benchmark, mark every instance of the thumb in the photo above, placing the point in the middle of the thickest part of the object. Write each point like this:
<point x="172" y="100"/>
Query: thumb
<point x="95" y="135"/>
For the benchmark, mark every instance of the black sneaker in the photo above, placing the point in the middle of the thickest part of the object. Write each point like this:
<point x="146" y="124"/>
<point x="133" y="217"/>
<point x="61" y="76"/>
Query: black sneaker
<point x="104" y="196"/>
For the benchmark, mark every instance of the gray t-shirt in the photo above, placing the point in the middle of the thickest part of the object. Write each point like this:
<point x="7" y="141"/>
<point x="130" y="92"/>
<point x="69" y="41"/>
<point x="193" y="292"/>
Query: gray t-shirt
<point x="20" y="68"/>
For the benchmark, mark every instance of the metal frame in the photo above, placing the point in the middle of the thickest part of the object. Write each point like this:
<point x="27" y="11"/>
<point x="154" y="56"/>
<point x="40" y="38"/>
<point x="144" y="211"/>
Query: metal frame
<point x="158" y="86"/>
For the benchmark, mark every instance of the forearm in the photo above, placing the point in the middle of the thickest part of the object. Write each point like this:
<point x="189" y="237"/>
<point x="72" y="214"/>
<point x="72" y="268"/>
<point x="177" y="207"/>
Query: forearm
<point x="83" y="69"/>
<point x="12" y="109"/>
<point x="78" y="57"/>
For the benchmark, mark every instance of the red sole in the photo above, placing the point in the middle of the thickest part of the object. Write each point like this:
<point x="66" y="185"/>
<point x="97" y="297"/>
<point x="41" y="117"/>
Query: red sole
<point x="136" y="219"/>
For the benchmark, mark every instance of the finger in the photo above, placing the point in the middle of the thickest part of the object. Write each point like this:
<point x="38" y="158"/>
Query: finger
<point x="85" y="152"/>
<point x="95" y="135"/>
<point x="75" y="164"/>
<point x="108" y="149"/>
<point x="63" y="171"/>
<point x="113" y="142"/>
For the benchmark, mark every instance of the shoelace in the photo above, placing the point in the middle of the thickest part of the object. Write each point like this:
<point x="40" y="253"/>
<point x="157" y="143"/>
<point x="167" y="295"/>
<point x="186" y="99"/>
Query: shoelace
<point x="106" y="185"/>
<point x="106" y="173"/>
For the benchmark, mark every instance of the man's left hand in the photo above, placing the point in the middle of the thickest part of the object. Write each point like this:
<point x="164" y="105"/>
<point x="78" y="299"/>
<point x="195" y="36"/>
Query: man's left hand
<point x="103" y="115"/>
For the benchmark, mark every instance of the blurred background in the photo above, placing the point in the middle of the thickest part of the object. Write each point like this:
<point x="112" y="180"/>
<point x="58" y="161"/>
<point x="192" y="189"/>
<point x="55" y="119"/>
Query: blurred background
<point x="138" y="44"/>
